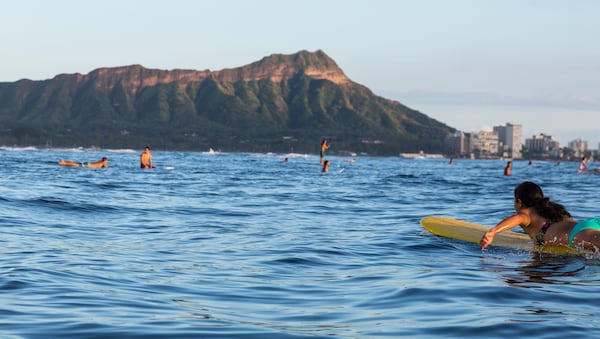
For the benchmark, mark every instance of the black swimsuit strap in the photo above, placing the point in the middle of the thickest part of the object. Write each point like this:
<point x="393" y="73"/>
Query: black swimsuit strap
<point x="540" y="236"/>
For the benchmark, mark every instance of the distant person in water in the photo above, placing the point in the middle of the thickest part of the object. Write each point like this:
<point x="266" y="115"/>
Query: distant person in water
<point x="583" y="168"/>
<point x="324" y="146"/>
<point x="325" y="166"/>
<point x="451" y="161"/>
<point x="583" y="165"/>
<point x="508" y="168"/>
<point x="546" y="221"/>
<point x="98" y="164"/>
<point x="146" y="159"/>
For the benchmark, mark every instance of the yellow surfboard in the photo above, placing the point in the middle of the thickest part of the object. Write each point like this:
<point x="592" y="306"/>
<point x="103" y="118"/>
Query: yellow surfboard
<point x="466" y="231"/>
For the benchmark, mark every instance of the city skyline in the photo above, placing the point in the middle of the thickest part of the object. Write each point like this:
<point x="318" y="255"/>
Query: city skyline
<point x="507" y="141"/>
<point x="492" y="128"/>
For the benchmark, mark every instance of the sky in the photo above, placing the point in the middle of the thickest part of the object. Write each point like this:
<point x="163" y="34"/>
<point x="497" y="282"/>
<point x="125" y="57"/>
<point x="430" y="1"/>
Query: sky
<point x="471" y="64"/>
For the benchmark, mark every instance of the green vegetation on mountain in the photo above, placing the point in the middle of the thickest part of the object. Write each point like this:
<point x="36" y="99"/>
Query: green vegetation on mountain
<point x="277" y="104"/>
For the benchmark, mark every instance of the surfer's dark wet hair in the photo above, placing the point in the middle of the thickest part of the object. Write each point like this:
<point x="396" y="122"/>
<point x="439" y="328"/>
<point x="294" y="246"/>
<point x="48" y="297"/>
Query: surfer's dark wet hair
<point x="531" y="195"/>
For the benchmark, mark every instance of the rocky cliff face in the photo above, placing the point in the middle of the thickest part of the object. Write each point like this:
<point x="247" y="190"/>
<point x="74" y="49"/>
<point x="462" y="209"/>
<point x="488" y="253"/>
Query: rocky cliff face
<point x="276" y="68"/>
<point x="135" y="77"/>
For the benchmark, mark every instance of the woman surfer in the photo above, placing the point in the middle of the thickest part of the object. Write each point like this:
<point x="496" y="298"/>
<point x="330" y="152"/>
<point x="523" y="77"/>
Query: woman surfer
<point x="546" y="221"/>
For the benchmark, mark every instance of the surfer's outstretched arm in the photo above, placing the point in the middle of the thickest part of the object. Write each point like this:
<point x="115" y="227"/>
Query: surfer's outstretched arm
<point x="505" y="225"/>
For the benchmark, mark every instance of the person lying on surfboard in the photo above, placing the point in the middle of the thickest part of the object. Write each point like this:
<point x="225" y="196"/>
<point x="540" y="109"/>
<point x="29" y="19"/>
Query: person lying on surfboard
<point x="146" y="159"/>
<point x="546" y="221"/>
<point x="98" y="164"/>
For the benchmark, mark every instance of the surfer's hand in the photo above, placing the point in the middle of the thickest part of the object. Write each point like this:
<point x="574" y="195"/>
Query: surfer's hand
<point x="486" y="240"/>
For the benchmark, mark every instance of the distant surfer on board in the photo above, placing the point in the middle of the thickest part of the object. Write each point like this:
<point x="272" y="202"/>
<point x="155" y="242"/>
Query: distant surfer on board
<point x="324" y="146"/>
<point x="146" y="159"/>
<point x="98" y="164"/>
<point x="546" y="221"/>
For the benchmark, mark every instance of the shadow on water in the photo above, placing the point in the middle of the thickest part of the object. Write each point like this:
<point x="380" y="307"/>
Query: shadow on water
<point x="540" y="270"/>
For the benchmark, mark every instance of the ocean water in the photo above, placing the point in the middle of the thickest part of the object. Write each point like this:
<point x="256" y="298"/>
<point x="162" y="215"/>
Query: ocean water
<point x="247" y="246"/>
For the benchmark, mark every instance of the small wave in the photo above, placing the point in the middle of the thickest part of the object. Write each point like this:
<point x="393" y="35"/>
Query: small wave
<point x="71" y="150"/>
<point x="18" y="149"/>
<point x="300" y="261"/>
<point x="57" y="204"/>
<point x="13" y="285"/>
<point x="107" y="186"/>
<point x="121" y="150"/>
<point x="299" y="155"/>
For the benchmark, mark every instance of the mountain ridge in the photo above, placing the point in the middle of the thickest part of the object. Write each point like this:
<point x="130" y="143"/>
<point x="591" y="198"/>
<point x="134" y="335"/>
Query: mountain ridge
<point x="275" y="67"/>
<point x="305" y="94"/>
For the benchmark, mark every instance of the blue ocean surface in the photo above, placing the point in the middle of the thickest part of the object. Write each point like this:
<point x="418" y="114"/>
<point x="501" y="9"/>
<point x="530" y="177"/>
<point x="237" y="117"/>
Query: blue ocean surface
<point x="249" y="246"/>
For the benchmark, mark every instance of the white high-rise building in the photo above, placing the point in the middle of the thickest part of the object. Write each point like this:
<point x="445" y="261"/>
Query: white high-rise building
<point x="579" y="147"/>
<point x="510" y="139"/>
<point x="543" y="144"/>
<point x="484" y="144"/>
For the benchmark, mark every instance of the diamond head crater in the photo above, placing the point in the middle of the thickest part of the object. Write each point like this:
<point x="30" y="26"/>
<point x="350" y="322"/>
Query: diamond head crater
<point x="281" y="103"/>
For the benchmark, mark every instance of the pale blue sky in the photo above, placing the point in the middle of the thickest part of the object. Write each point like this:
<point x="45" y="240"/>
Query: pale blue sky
<point x="468" y="63"/>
